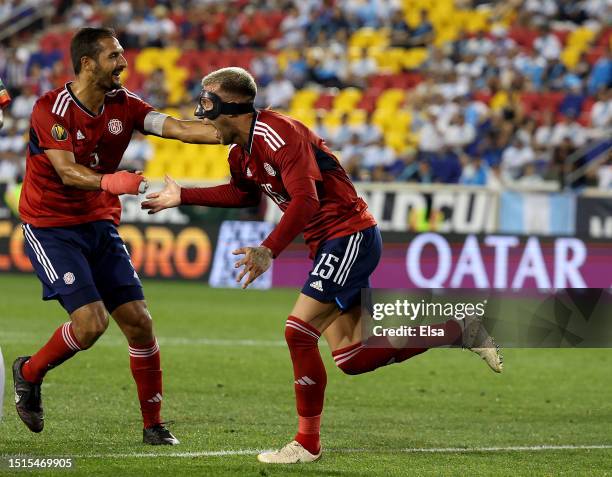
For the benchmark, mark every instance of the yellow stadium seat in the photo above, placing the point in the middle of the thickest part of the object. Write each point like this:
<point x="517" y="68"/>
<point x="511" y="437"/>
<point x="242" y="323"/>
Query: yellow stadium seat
<point x="304" y="99"/>
<point x="570" y="57"/>
<point x="396" y="140"/>
<point x="580" y="37"/>
<point x="357" y="117"/>
<point x="383" y="116"/>
<point x="402" y="120"/>
<point x="154" y="169"/>
<point x="391" y="98"/>
<point x="148" y="60"/>
<point x="499" y="101"/>
<point x="477" y="20"/>
<point x="332" y="119"/>
<point x="414" y="57"/>
<point x="354" y="53"/>
<point x="347" y="99"/>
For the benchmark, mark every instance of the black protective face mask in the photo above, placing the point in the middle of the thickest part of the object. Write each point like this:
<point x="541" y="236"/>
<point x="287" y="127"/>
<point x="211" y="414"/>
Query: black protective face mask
<point x="210" y="106"/>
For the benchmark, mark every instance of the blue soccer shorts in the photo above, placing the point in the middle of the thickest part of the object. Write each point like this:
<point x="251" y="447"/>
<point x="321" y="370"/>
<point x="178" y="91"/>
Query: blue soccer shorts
<point x="342" y="267"/>
<point x="81" y="264"/>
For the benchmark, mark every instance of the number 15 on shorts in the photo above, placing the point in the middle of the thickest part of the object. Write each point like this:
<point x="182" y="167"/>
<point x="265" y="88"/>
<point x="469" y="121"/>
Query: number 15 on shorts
<point x="326" y="266"/>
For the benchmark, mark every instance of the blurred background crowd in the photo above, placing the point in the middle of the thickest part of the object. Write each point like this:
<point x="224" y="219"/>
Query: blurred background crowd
<point x="474" y="92"/>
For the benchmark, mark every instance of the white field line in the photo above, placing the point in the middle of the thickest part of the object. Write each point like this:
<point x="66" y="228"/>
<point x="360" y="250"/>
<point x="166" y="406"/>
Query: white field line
<point x="20" y="337"/>
<point x="414" y="450"/>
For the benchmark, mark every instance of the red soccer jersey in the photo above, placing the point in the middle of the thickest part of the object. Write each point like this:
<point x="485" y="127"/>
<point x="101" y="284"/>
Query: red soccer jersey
<point x="281" y="154"/>
<point x="60" y="121"/>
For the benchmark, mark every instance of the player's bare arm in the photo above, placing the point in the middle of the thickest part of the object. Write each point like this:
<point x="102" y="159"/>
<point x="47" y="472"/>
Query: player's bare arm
<point x="189" y="131"/>
<point x="82" y="177"/>
<point x="256" y="261"/>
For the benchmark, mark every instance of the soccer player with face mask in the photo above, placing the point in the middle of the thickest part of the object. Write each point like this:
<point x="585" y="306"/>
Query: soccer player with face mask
<point x="278" y="156"/>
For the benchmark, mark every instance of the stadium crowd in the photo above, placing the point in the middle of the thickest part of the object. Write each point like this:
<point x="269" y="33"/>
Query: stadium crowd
<point x="505" y="103"/>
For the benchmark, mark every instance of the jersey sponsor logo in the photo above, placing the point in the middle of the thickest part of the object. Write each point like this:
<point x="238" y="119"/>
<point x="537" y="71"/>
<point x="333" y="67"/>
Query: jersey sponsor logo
<point x="269" y="169"/>
<point x="115" y="126"/>
<point x="59" y="132"/>
<point x="69" y="278"/>
<point x="80" y="135"/>
<point x="318" y="285"/>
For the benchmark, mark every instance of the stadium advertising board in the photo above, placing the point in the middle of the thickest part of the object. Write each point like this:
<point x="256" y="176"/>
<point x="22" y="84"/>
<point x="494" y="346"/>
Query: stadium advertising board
<point x="235" y="234"/>
<point x="594" y="217"/>
<point x="462" y="210"/>
<point x="431" y="260"/>
<point x="157" y="251"/>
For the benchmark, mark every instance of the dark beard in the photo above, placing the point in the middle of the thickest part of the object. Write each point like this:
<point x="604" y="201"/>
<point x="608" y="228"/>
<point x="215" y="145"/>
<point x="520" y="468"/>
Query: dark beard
<point x="104" y="82"/>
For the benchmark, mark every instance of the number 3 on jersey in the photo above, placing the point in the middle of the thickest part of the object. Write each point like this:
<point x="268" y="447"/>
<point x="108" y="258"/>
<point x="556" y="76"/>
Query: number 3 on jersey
<point x="325" y="267"/>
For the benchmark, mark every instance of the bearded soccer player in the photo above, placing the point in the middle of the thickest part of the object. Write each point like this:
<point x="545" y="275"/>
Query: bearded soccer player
<point x="70" y="209"/>
<point x="282" y="158"/>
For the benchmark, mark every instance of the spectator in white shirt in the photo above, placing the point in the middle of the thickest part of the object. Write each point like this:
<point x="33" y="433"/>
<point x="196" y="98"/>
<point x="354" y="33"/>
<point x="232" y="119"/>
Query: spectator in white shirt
<point x="343" y="134"/>
<point x="604" y="173"/>
<point x="24" y="103"/>
<point x="378" y="155"/>
<point x="430" y="137"/>
<point x="514" y="158"/>
<point x="458" y="133"/>
<point x="547" y="44"/>
<point x="369" y="133"/>
<point x="601" y="114"/>
<point x="569" y="128"/>
<point x="293" y="29"/>
<point x="361" y="68"/>
<point x="530" y="176"/>
<point x="543" y="138"/>
<point x="279" y="92"/>
<point x="352" y="153"/>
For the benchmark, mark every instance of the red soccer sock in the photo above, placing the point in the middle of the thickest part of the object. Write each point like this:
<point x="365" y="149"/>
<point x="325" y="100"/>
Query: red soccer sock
<point x="63" y="345"/>
<point x="310" y="381"/>
<point x="377" y="351"/>
<point x="145" y="365"/>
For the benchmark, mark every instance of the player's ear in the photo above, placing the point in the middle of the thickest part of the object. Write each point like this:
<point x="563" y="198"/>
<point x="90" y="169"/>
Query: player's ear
<point x="87" y="63"/>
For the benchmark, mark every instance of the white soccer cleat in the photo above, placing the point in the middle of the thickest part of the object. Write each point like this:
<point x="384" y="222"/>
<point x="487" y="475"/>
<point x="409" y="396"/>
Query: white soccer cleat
<point x="292" y="453"/>
<point x="477" y="339"/>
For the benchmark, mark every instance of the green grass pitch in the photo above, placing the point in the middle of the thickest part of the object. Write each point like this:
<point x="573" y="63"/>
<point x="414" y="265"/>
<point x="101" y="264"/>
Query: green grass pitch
<point x="228" y="387"/>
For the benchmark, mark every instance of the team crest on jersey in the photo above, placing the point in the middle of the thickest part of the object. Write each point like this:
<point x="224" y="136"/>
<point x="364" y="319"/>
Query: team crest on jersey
<point x="115" y="126"/>
<point x="249" y="173"/>
<point x="59" y="132"/>
<point x="269" y="169"/>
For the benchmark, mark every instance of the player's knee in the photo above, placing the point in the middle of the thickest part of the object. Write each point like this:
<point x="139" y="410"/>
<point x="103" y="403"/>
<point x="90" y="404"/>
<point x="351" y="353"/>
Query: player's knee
<point x="142" y="328"/>
<point x="89" y="328"/>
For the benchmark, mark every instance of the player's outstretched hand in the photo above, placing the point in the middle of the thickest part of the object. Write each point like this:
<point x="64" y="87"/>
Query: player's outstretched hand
<point x="256" y="261"/>
<point x="124" y="182"/>
<point x="169" y="196"/>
